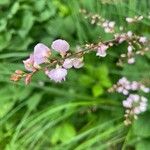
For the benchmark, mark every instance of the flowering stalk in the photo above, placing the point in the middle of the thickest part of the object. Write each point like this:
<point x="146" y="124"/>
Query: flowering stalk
<point x="134" y="103"/>
<point x="56" y="68"/>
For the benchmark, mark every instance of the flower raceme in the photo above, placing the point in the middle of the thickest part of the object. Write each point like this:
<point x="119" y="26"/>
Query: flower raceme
<point x="44" y="55"/>
<point x="134" y="103"/>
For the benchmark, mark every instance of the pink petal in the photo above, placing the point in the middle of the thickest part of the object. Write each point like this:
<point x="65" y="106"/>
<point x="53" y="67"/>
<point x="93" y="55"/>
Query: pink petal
<point x="101" y="51"/>
<point x="57" y="74"/>
<point x="28" y="63"/>
<point x="60" y="46"/>
<point x="68" y="63"/>
<point x="41" y="53"/>
<point x="78" y="62"/>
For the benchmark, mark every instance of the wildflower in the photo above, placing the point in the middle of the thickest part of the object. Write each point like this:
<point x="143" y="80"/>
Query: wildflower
<point x="19" y="72"/>
<point x="28" y="78"/>
<point x="129" y="20"/>
<point x="41" y="54"/>
<point x="58" y="74"/>
<point x="120" y="38"/>
<point x="144" y="89"/>
<point x="140" y="18"/>
<point x="29" y="63"/>
<point x="15" y="77"/>
<point x="134" y="85"/>
<point x="108" y="26"/>
<point x="131" y="60"/>
<point x="129" y="48"/>
<point x="143" y="39"/>
<point x="111" y="24"/>
<point x="129" y="34"/>
<point x="73" y="62"/>
<point x="136" y="103"/>
<point x="68" y="63"/>
<point x="60" y="46"/>
<point x="78" y="62"/>
<point x="101" y="51"/>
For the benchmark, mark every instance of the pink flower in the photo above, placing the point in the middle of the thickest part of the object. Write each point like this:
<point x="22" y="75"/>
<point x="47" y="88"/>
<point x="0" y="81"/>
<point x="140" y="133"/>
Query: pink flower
<point x="68" y="63"/>
<point x="60" y="46"/>
<point x="131" y="60"/>
<point x="28" y="63"/>
<point x="143" y="39"/>
<point x="78" y="62"/>
<point x="41" y="53"/>
<point x="129" y="20"/>
<point x="73" y="62"/>
<point x="57" y="74"/>
<point x="101" y="51"/>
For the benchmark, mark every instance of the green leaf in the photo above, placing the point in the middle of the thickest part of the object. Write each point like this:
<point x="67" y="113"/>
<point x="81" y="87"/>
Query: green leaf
<point x="102" y="71"/>
<point x="143" y="145"/>
<point x="4" y="39"/>
<point x="4" y="2"/>
<point x="141" y="126"/>
<point x="105" y="81"/>
<point x="86" y="80"/>
<point x="97" y="90"/>
<point x="39" y="5"/>
<point x="27" y="23"/>
<point x="13" y="10"/>
<point x="68" y="132"/>
<point x="33" y="102"/>
<point x="63" y="133"/>
<point x="56" y="135"/>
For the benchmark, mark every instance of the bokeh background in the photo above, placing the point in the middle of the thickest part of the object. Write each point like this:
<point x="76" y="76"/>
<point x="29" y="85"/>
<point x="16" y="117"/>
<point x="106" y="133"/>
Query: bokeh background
<point x="78" y="114"/>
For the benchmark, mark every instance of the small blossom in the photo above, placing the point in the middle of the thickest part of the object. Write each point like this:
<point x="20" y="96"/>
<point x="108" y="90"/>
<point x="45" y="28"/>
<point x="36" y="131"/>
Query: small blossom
<point x="140" y="18"/>
<point x="57" y="74"/>
<point x="73" y="62"/>
<point x="28" y="79"/>
<point x="129" y="48"/>
<point x="15" y="77"/>
<point x="145" y="89"/>
<point x="19" y="72"/>
<point x="111" y="24"/>
<point x="68" y="63"/>
<point x="60" y="46"/>
<point x="41" y="53"/>
<point x="131" y="60"/>
<point x="101" y="51"/>
<point x="143" y="39"/>
<point x="129" y="20"/>
<point x="134" y="85"/>
<point x="136" y="103"/>
<point x="28" y="63"/>
<point x="78" y="62"/>
<point x="120" y="38"/>
<point x="129" y="34"/>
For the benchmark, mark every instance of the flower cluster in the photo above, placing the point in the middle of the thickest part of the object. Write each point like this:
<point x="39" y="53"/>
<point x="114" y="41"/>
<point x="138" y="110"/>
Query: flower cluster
<point x="108" y="26"/>
<point x="134" y="103"/>
<point x="56" y="68"/>
<point x="134" y="19"/>
<point x="137" y="45"/>
<point x="125" y="86"/>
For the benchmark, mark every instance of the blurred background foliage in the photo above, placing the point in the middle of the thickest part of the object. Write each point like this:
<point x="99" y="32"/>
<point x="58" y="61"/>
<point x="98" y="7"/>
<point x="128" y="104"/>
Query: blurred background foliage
<point x="78" y="114"/>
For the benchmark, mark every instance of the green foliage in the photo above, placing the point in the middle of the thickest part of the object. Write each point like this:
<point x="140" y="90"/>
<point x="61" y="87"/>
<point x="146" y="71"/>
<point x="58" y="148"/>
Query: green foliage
<point x="78" y="114"/>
